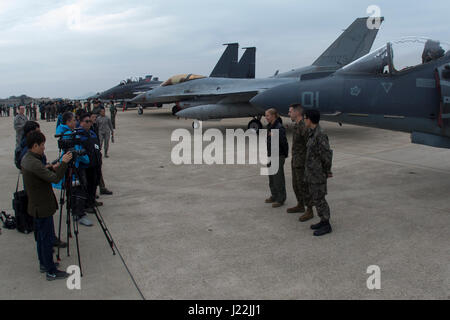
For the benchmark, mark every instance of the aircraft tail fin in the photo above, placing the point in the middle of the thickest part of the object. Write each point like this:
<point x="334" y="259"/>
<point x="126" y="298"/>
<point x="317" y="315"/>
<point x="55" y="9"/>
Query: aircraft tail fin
<point x="355" y="42"/>
<point x="227" y="62"/>
<point x="245" y="69"/>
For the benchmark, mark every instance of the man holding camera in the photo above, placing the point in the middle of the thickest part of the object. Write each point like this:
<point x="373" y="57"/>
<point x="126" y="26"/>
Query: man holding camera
<point x="42" y="203"/>
<point x="66" y="130"/>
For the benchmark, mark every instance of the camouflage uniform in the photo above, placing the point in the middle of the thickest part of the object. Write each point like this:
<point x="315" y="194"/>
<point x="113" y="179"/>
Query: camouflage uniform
<point x="299" y="140"/>
<point x="317" y="168"/>
<point x="113" y="111"/>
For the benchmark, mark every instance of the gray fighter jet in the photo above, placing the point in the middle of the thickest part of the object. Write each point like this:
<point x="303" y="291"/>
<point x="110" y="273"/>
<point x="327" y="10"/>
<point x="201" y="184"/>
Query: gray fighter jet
<point x="382" y="89"/>
<point x="202" y="98"/>
<point x="228" y="66"/>
<point x="128" y="89"/>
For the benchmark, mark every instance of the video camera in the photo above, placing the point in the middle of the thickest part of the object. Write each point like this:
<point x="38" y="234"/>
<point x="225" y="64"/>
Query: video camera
<point x="68" y="141"/>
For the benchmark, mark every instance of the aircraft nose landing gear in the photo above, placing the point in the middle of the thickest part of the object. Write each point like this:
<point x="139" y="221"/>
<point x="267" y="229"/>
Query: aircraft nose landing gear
<point x="140" y="110"/>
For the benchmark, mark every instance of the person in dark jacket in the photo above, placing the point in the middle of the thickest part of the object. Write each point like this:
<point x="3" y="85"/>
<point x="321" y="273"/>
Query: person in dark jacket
<point x="42" y="203"/>
<point x="277" y="182"/>
<point x="90" y="172"/>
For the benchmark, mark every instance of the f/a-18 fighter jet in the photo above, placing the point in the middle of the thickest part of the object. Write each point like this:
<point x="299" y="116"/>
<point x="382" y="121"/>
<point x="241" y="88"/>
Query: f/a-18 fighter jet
<point x="383" y="89"/>
<point x="202" y="98"/>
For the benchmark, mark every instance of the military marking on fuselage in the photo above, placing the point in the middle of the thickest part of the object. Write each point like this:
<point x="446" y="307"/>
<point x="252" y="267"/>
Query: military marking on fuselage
<point x="355" y="91"/>
<point x="387" y="86"/>
<point x="425" y="83"/>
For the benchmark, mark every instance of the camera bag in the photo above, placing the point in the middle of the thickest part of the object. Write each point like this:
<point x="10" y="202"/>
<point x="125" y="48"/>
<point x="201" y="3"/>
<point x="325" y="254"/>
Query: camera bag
<point x="24" y="222"/>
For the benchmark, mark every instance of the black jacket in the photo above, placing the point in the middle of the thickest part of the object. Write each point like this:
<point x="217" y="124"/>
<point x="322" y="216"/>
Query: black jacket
<point x="283" y="143"/>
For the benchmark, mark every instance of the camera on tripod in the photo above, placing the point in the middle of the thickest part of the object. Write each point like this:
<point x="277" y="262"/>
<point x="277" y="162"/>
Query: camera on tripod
<point x="68" y="142"/>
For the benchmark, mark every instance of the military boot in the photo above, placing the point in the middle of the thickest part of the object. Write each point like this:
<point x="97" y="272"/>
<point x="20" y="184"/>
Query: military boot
<point x="277" y="204"/>
<point x="269" y="200"/>
<point x="324" y="229"/>
<point x="297" y="209"/>
<point x="309" y="214"/>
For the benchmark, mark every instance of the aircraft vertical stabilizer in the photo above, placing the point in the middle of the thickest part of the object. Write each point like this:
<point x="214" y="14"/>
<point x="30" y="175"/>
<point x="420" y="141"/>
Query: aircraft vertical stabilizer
<point x="227" y="62"/>
<point x="247" y="64"/>
<point x="355" y="42"/>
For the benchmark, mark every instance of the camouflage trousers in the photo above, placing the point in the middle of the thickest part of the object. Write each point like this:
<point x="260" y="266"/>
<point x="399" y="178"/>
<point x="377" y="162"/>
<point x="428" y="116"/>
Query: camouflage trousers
<point x="277" y="183"/>
<point x="299" y="185"/>
<point x="315" y="197"/>
<point x="113" y="121"/>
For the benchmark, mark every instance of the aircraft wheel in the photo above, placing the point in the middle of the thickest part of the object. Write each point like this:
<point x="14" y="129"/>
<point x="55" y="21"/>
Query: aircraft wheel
<point x="140" y="110"/>
<point x="159" y="105"/>
<point x="255" y="125"/>
<point x="175" y="110"/>
<point x="195" y="124"/>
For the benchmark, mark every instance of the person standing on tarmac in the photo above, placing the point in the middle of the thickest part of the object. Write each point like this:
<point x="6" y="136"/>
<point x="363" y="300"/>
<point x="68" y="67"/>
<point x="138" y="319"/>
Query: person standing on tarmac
<point x="277" y="182"/>
<point x="105" y="129"/>
<point x="299" y="140"/>
<point x="113" y="112"/>
<point x="317" y="170"/>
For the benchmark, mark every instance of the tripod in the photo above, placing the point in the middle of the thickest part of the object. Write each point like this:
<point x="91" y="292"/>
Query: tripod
<point x="76" y="202"/>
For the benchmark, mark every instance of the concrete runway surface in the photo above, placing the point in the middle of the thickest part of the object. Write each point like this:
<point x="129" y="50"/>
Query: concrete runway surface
<point x="204" y="232"/>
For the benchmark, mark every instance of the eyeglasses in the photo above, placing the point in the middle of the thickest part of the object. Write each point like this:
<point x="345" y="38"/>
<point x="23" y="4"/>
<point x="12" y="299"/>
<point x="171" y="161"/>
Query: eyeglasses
<point x="87" y="121"/>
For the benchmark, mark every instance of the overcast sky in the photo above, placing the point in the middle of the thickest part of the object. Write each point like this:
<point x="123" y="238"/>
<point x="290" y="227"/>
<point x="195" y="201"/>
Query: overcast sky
<point x="66" y="48"/>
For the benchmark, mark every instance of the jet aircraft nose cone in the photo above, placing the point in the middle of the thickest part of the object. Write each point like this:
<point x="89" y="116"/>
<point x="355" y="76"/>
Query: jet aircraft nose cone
<point x="264" y="100"/>
<point x="140" y="98"/>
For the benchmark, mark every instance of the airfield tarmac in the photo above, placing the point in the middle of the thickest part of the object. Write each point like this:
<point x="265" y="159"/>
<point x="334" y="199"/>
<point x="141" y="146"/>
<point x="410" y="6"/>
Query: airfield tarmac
<point x="204" y="232"/>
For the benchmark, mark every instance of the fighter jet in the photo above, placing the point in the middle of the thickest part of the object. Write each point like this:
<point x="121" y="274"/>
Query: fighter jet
<point x="128" y="89"/>
<point x="202" y="98"/>
<point x="228" y="66"/>
<point x="381" y="91"/>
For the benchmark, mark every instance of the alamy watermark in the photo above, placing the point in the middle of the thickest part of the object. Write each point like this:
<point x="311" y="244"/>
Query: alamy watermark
<point x="190" y="150"/>
<point x="374" y="20"/>
<point x="374" y="280"/>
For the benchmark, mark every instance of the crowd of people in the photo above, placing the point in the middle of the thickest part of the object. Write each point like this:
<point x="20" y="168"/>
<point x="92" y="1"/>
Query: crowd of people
<point x="86" y="132"/>
<point x="92" y="129"/>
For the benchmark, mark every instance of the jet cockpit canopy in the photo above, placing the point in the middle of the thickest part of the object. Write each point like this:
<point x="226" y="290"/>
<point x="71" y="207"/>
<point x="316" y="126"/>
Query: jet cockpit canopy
<point x="409" y="52"/>
<point x="181" y="78"/>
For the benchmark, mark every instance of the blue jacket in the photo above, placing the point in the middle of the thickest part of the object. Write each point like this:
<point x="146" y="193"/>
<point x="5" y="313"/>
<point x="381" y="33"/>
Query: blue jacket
<point x="63" y="129"/>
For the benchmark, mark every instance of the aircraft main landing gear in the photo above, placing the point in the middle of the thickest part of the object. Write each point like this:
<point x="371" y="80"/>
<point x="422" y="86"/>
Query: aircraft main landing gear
<point x="140" y="110"/>
<point x="175" y="109"/>
<point x="255" y="124"/>
<point x="195" y="124"/>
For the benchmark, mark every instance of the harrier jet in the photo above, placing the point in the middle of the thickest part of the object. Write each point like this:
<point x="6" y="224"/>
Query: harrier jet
<point x="201" y="98"/>
<point x="390" y="88"/>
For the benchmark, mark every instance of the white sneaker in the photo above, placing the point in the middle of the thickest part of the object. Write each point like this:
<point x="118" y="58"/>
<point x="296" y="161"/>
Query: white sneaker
<point x="85" y="222"/>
